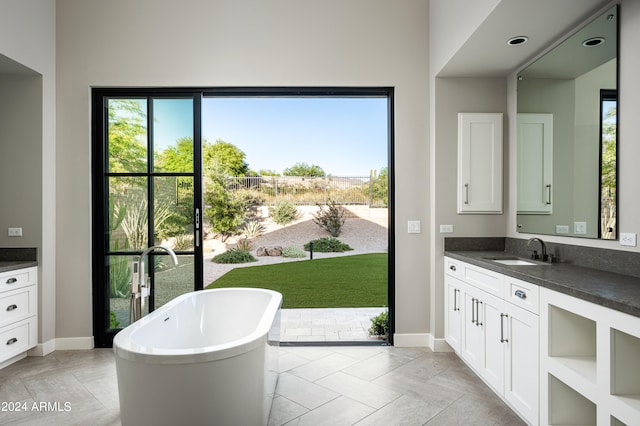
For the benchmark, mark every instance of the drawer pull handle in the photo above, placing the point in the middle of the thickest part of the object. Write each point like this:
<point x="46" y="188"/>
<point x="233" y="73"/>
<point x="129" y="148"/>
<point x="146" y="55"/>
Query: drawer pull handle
<point x="12" y="280"/>
<point x="453" y="268"/>
<point x="521" y="294"/>
<point x="12" y="308"/>
<point x="12" y="341"/>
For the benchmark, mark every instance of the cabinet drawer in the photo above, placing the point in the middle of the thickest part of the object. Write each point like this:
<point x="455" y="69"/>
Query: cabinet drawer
<point x="522" y="293"/>
<point x="489" y="281"/>
<point x="17" y="279"/>
<point x="17" y="305"/>
<point x="453" y="267"/>
<point x="17" y="338"/>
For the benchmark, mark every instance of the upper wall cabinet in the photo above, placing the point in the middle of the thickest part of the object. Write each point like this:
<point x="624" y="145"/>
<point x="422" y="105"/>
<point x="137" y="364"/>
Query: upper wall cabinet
<point x="480" y="163"/>
<point x="535" y="163"/>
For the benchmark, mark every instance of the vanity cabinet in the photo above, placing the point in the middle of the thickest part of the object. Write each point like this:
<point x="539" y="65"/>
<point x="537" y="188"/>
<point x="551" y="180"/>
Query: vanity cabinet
<point x="492" y="324"/>
<point x="589" y="363"/>
<point x="480" y="163"/>
<point x="18" y="312"/>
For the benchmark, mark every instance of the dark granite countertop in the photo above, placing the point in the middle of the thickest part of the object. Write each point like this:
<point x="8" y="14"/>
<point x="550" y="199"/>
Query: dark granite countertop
<point x="12" y="265"/>
<point x="609" y="289"/>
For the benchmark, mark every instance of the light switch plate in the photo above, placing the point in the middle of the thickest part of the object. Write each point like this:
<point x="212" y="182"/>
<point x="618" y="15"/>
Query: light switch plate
<point x="446" y="229"/>
<point x="14" y="232"/>
<point x="628" y="239"/>
<point x="413" y="227"/>
<point x="580" y="228"/>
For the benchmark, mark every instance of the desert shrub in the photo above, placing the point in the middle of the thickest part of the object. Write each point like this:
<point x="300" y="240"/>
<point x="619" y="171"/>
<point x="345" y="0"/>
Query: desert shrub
<point x="293" y="251"/>
<point x="244" y="244"/>
<point x="253" y="228"/>
<point x="182" y="242"/>
<point x="330" y="217"/>
<point x="234" y="256"/>
<point x="328" y="245"/>
<point x="113" y="321"/>
<point x="119" y="275"/>
<point x="284" y="213"/>
<point x="380" y="325"/>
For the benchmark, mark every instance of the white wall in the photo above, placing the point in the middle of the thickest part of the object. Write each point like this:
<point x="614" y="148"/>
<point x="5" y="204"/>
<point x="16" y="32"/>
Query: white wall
<point x="454" y="95"/>
<point x="249" y="43"/>
<point x="27" y="36"/>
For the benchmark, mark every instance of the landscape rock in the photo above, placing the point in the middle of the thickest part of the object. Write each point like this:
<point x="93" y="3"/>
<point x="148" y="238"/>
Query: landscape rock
<point x="269" y="251"/>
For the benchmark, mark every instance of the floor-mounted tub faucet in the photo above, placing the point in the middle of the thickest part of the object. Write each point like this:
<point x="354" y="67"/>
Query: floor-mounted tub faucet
<point x="141" y="289"/>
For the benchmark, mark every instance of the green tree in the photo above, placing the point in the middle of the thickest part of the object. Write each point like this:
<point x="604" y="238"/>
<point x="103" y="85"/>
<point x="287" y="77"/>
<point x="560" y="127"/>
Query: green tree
<point x="224" y="157"/>
<point x="127" y="136"/>
<point x="379" y="189"/>
<point x="268" y="172"/>
<point x="226" y="210"/>
<point x="178" y="158"/>
<point x="304" y="169"/>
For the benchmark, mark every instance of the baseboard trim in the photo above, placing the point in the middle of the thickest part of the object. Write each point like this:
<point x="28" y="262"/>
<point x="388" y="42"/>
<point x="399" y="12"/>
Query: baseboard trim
<point x="439" y="345"/>
<point x="42" y="349"/>
<point x="74" y="343"/>
<point x="411" y="340"/>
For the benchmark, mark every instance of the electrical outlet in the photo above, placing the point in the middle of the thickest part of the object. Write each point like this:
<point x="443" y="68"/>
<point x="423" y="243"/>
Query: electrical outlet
<point x="14" y="232"/>
<point x="446" y="229"/>
<point x="628" y="239"/>
<point x="562" y="229"/>
<point x="580" y="228"/>
<point x="413" y="227"/>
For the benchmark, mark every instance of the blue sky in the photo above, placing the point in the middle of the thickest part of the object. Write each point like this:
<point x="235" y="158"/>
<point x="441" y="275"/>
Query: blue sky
<point x="344" y="136"/>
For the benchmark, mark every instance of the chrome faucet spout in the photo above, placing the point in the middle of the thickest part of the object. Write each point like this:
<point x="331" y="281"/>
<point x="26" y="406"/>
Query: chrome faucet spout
<point x="141" y="290"/>
<point x="145" y="253"/>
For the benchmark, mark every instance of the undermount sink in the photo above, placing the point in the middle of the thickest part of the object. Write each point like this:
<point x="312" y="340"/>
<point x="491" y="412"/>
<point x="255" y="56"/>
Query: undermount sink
<point x="515" y="262"/>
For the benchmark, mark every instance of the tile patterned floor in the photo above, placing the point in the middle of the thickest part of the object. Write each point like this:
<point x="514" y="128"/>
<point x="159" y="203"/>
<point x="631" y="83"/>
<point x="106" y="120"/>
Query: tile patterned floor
<point x="327" y="325"/>
<point x="345" y="385"/>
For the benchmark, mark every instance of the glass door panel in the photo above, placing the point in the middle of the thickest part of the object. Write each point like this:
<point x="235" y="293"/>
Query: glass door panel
<point x="146" y="192"/>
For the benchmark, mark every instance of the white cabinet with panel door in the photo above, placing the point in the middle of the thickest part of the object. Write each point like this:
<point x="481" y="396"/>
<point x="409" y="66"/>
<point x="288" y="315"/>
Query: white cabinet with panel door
<point x="480" y="163"/>
<point x="492" y="323"/>
<point x="535" y="164"/>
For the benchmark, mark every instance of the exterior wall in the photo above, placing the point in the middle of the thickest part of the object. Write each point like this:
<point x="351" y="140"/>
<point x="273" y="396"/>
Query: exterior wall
<point x="249" y="43"/>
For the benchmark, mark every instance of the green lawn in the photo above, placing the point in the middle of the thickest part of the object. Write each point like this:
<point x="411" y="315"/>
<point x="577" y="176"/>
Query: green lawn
<point x="339" y="282"/>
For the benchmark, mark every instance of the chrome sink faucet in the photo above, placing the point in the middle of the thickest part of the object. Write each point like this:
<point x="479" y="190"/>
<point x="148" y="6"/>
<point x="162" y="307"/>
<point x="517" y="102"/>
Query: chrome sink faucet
<point x="544" y="257"/>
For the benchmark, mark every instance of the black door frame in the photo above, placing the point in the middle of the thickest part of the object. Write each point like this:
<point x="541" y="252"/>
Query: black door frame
<point x="102" y="335"/>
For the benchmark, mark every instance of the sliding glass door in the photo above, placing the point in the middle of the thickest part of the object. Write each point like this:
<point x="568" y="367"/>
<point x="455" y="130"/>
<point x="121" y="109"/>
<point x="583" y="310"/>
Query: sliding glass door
<point x="146" y="192"/>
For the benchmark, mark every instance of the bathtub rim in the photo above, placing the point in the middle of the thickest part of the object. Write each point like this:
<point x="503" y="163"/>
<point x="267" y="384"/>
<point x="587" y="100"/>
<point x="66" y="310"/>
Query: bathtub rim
<point x="124" y="348"/>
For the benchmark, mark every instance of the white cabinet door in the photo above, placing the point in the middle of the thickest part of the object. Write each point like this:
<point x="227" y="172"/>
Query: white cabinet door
<point x="471" y="339"/>
<point x="492" y="362"/>
<point x="453" y="316"/>
<point x="521" y="367"/>
<point x="480" y="163"/>
<point x="535" y="164"/>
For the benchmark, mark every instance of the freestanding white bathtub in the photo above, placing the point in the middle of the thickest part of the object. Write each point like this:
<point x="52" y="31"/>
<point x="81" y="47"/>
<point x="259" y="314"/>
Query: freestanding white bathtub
<point x="205" y="358"/>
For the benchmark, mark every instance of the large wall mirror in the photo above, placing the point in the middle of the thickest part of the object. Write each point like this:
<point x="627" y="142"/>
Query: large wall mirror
<point x="567" y="135"/>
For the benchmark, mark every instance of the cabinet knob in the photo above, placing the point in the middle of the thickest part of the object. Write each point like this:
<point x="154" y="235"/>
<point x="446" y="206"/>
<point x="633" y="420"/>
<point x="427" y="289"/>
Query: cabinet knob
<point x="452" y="267"/>
<point x="521" y="294"/>
<point x="12" y="308"/>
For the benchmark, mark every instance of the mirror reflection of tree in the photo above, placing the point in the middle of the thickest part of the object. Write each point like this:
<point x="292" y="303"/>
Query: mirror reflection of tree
<point x="608" y="165"/>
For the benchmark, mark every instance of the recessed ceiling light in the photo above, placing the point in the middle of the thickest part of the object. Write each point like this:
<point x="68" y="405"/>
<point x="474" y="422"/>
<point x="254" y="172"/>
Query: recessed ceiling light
<point x="593" y="41"/>
<point x="516" y="41"/>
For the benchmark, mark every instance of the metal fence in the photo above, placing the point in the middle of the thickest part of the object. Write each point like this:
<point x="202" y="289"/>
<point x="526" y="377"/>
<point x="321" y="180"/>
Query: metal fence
<point x="305" y="190"/>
